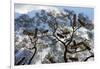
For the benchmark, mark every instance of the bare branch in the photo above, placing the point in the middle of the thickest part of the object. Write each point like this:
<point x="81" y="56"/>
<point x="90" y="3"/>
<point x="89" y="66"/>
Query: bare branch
<point x="32" y="55"/>
<point x="89" y="57"/>
<point x="18" y="63"/>
<point x="58" y="39"/>
<point x="35" y="48"/>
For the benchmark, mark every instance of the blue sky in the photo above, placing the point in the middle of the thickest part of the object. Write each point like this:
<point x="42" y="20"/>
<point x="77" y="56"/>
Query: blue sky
<point x="86" y="11"/>
<point x="26" y="8"/>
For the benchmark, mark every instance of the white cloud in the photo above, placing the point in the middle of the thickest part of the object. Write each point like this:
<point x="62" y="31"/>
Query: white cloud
<point x="22" y="8"/>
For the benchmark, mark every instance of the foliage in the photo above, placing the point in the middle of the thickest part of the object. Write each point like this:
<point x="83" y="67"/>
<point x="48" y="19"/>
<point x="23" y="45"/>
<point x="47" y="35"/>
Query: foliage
<point x="57" y="28"/>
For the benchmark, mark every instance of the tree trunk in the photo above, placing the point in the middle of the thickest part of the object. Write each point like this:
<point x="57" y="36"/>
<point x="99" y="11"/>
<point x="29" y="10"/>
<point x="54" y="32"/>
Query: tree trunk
<point x="65" y="52"/>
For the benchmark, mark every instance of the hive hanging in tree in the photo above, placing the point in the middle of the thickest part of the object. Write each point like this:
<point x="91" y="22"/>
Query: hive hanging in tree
<point x="81" y="22"/>
<point x="65" y="31"/>
<point x="74" y="20"/>
<point x="29" y="33"/>
<point x="60" y="35"/>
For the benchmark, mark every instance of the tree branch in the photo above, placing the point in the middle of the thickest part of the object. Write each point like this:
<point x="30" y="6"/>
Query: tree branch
<point x="32" y="55"/>
<point x="58" y="39"/>
<point x="18" y="63"/>
<point x="89" y="57"/>
<point x="35" y="48"/>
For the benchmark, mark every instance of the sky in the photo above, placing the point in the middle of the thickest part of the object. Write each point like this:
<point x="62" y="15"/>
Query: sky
<point x="26" y="8"/>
